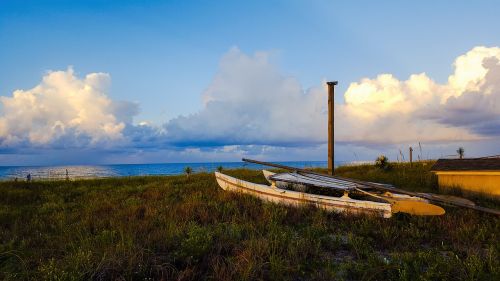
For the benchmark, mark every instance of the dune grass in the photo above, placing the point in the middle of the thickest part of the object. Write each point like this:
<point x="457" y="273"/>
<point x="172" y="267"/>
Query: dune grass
<point x="187" y="228"/>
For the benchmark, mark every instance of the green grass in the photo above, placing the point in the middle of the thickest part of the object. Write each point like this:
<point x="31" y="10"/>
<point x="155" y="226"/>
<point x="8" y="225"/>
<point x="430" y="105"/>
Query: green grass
<point x="150" y="228"/>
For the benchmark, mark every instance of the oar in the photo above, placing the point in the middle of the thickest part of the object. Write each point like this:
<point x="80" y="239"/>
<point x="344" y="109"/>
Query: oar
<point x="382" y="187"/>
<point x="451" y="198"/>
<point x="411" y="207"/>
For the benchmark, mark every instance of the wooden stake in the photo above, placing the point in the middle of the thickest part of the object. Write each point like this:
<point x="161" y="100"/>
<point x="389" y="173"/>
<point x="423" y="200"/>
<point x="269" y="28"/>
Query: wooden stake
<point x="411" y="156"/>
<point x="331" y="140"/>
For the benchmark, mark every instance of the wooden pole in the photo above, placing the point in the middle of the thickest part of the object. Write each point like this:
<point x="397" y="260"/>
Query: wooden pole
<point x="331" y="139"/>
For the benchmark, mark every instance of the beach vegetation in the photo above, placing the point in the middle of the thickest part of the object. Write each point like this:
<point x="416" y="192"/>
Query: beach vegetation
<point x="382" y="162"/>
<point x="188" y="171"/>
<point x="179" y="228"/>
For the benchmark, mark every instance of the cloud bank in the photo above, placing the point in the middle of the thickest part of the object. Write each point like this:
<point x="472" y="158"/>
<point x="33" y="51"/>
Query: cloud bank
<point x="386" y="110"/>
<point x="251" y="107"/>
<point x="64" y="110"/>
<point x="467" y="107"/>
<point x="250" y="102"/>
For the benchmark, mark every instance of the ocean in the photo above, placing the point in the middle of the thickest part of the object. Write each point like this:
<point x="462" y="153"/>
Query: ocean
<point x="125" y="170"/>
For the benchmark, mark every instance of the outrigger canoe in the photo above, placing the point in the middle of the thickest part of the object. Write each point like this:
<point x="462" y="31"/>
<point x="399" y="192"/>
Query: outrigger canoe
<point x="343" y="204"/>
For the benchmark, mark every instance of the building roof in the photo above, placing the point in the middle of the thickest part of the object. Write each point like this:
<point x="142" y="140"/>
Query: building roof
<point x="468" y="164"/>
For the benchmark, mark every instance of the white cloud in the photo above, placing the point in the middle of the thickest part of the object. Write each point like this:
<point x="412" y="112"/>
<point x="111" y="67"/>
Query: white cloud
<point x="66" y="109"/>
<point x="469" y="70"/>
<point x="250" y="102"/>
<point x="387" y="110"/>
<point x="252" y="109"/>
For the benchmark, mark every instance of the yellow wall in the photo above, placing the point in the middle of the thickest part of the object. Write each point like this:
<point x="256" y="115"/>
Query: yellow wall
<point x="485" y="182"/>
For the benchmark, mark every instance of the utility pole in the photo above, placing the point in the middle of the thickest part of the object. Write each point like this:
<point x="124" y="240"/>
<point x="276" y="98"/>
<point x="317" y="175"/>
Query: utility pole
<point x="331" y="94"/>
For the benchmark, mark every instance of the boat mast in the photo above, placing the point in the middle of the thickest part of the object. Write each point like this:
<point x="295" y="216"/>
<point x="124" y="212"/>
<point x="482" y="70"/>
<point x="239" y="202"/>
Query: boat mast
<point x="331" y="93"/>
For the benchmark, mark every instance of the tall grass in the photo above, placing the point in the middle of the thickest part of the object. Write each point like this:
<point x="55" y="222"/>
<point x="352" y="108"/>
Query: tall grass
<point x="180" y="228"/>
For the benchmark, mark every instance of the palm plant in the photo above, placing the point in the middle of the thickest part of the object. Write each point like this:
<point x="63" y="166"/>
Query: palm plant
<point x="188" y="171"/>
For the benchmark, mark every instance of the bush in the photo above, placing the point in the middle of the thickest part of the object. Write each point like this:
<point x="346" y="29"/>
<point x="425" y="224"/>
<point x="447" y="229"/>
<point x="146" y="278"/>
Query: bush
<point x="188" y="171"/>
<point x="382" y="162"/>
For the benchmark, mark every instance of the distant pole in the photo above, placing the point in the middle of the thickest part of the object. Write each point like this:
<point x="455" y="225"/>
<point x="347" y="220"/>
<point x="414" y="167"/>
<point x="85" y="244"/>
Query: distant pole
<point x="411" y="155"/>
<point x="331" y="93"/>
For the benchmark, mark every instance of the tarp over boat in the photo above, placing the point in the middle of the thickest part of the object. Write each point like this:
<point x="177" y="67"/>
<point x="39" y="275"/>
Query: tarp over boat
<point x="319" y="181"/>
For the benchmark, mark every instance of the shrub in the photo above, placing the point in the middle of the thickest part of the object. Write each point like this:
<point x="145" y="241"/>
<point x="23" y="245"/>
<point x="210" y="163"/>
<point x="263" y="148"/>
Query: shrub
<point x="382" y="162"/>
<point x="188" y="170"/>
<point x="196" y="243"/>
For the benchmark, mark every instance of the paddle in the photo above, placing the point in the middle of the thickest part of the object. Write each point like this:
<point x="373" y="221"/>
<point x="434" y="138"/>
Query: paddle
<point x="383" y="188"/>
<point x="451" y="198"/>
<point x="411" y="207"/>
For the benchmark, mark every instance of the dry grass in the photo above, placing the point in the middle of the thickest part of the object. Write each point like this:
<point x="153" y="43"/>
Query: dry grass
<point x="180" y="228"/>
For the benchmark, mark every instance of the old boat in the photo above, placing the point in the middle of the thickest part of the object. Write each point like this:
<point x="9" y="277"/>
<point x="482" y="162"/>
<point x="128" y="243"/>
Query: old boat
<point x="343" y="204"/>
<point x="301" y="182"/>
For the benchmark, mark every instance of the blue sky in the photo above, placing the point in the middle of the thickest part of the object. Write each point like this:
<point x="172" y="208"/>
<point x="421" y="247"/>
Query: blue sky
<point x="164" y="59"/>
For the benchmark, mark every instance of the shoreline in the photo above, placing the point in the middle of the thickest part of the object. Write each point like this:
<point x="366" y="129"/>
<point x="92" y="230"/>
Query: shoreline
<point x="126" y="170"/>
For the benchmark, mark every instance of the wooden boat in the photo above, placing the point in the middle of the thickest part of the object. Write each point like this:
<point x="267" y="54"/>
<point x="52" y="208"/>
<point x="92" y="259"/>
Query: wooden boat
<point x="343" y="204"/>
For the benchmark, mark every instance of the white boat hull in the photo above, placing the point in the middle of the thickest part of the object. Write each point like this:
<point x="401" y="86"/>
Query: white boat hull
<point x="342" y="204"/>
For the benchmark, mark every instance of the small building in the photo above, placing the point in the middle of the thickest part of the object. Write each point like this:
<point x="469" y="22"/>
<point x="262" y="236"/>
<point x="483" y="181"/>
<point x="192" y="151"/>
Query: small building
<point x="475" y="175"/>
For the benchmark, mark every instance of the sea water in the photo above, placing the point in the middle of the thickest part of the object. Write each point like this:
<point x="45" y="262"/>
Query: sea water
<point x="124" y="170"/>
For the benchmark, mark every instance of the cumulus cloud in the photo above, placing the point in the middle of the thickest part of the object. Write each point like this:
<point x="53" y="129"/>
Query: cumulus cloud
<point x="64" y="110"/>
<point x="477" y="107"/>
<point x="251" y="108"/>
<point x="250" y="102"/>
<point x="385" y="109"/>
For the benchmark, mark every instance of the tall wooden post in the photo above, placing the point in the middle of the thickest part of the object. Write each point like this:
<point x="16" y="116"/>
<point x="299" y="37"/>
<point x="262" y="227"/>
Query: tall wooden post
<point x="331" y="93"/>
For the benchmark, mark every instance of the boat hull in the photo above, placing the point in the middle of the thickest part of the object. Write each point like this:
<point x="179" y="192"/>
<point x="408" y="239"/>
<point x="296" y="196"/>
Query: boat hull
<point x="342" y="204"/>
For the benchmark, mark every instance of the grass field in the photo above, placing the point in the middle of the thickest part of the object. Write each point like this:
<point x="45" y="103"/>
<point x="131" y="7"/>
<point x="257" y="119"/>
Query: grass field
<point x="187" y="228"/>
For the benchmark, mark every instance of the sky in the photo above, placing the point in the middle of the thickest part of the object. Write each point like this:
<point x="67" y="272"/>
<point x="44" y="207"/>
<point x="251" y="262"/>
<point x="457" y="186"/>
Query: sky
<point x="105" y="82"/>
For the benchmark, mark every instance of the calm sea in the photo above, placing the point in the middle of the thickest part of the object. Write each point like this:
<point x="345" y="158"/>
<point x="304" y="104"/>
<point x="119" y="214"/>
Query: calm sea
<point x="103" y="171"/>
